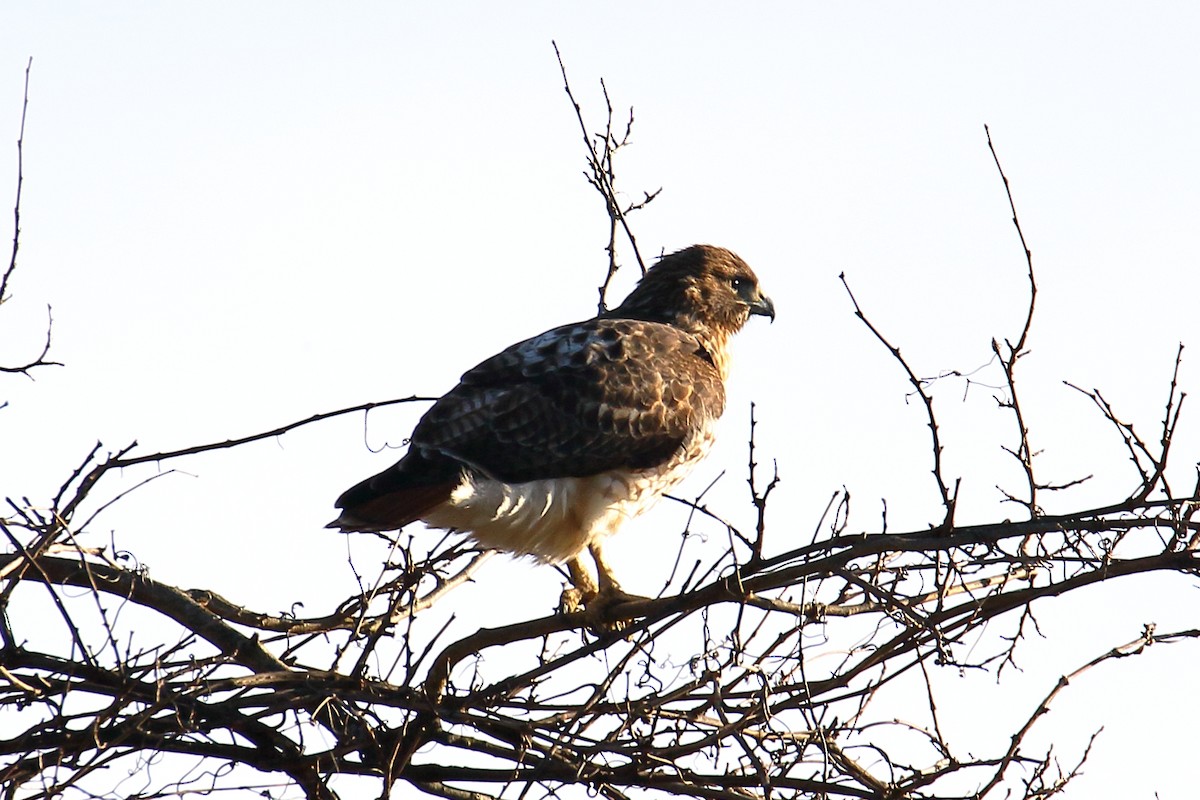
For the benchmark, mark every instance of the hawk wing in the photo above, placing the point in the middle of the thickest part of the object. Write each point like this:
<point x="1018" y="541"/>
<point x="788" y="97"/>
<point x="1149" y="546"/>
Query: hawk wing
<point x="575" y="401"/>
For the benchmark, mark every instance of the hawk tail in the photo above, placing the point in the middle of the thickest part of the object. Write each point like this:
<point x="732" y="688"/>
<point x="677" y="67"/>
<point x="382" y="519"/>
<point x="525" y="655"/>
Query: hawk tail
<point x="397" y="496"/>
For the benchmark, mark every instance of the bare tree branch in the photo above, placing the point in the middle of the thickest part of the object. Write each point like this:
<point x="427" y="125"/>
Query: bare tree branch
<point x="926" y="400"/>
<point x="40" y="359"/>
<point x="601" y="174"/>
<point x="1011" y="354"/>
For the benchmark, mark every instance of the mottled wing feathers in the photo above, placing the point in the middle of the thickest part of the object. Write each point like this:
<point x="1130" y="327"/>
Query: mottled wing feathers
<point x="576" y="401"/>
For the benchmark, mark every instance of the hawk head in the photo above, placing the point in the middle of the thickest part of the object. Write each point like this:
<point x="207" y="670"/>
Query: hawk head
<point x="706" y="290"/>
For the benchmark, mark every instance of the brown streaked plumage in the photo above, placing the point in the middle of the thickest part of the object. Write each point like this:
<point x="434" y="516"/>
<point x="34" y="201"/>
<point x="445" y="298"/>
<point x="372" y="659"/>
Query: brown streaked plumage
<point x="547" y="447"/>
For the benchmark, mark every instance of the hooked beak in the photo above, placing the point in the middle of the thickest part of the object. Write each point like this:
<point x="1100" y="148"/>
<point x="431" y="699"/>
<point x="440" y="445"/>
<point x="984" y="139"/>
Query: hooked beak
<point x="762" y="306"/>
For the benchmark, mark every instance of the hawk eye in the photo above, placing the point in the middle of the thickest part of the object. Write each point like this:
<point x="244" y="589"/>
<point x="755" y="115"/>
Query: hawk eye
<point x="737" y="283"/>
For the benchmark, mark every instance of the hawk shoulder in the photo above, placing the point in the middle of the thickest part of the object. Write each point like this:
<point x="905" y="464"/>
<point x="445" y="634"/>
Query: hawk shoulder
<point x="577" y="400"/>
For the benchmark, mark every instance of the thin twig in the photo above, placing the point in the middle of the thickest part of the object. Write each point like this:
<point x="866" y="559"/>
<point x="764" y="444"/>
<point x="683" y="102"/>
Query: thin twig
<point x="601" y="174"/>
<point x="40" y="360"/>
<point x="926" y="399"/>
<point x="1013" y="353"/>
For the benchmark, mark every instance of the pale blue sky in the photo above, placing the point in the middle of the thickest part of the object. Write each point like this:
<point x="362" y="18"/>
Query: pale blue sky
<point x="243" y="215"/>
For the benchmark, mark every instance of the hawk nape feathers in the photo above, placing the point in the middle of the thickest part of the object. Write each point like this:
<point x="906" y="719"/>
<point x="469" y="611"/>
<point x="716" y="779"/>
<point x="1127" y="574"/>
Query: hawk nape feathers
<point x="545" y="448"/>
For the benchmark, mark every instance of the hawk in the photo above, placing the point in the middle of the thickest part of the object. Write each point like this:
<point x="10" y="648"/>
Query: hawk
<point x="547" y="447"/>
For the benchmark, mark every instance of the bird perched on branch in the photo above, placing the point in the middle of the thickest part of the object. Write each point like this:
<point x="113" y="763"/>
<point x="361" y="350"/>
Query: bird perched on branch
<point x="547" y="447"/>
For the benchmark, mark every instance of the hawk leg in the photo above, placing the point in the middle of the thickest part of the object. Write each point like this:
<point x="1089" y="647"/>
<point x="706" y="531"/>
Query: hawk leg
<point x="582" y="590"/>
<point x="595" y="595"/>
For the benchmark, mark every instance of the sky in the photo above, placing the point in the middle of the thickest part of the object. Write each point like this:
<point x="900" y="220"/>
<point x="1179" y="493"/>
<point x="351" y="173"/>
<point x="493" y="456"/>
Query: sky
<point x="243" y="215"/>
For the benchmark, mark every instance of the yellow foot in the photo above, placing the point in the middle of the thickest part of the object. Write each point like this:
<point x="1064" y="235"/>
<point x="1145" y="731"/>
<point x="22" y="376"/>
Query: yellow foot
<point x="598" y="607"/>
<point x="572" y="600"/>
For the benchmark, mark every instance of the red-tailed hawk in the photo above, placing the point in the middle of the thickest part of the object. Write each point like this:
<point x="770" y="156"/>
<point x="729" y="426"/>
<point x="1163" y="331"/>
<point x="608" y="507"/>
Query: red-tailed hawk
<point x="547" y="447"/>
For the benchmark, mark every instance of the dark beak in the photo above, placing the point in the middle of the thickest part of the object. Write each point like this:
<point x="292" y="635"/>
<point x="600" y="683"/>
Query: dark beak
<point x="763" y="306"/>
